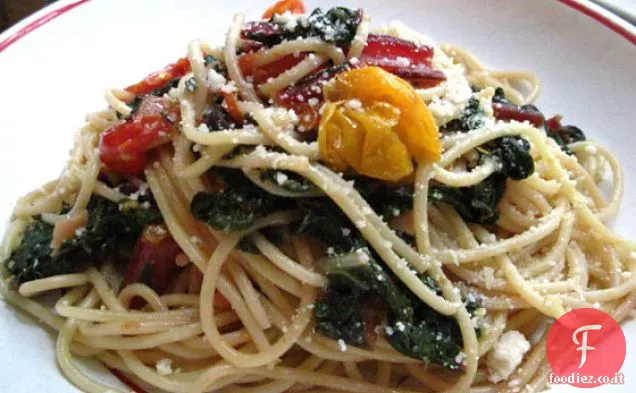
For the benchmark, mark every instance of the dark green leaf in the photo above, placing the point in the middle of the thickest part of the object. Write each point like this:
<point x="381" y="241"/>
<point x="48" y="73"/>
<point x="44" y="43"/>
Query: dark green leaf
<point x="338" y="25"/>
<point x="290" y="181"/>
<point x="472" y="118"/>
<point x="111" y="230"/>
<point x="477" y="203"/>
<point x="324" y="220"/>
<point x="237" y="206"/>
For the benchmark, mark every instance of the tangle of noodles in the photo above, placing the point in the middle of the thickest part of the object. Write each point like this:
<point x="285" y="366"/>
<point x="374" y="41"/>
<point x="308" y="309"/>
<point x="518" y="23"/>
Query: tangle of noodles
<point x="549" y="252"/>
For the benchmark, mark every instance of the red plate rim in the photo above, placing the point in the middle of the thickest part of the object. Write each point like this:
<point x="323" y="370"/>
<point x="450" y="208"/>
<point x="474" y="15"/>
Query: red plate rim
<point x="53" y="11"/>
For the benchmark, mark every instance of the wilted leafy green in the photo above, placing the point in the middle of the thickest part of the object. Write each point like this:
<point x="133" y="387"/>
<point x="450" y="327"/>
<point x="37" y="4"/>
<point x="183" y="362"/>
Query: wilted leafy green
<point x="111" y="230"/>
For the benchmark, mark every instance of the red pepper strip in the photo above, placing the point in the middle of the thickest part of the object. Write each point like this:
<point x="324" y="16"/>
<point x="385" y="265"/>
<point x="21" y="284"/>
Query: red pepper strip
<point x="153" y="260"/>
<point x="261" y="74"/>
<point x="231" y="103"/>
<point x="553" y="123"/>
<point x="504" y="111"/>
<point x="160" y="78"/>
<point x="306" y="97"/>
<point x="403" y="58"/>
<point x="391" y="48"/>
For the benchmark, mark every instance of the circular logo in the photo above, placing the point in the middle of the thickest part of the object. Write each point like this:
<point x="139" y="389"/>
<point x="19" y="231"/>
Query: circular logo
<point x="585" y="348"/>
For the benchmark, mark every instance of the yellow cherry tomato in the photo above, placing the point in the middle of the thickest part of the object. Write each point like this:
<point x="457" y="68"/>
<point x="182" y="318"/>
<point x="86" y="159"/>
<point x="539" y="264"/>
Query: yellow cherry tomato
<point x="379" y="139"/>
<point x="363" y="139"/>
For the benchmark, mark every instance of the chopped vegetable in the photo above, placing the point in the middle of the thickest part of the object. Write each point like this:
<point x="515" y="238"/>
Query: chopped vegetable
<point x="364" y="139"/>
<point x="361" y="295"/>
<point x="159" y="79"/>
<point x="563" y="135"/>
<point x="376" y="122"/>
<point x="386" y="200"/>
<point x="290" y="181"/>
<point x="338" y="25"/>
<point x="111" y="230"/>
<point x="324" y="220"/>
<point x="472" y="118"/>
<point x="153" y="259"/>
<point x="306" y="96"/>
<point x="270" y="70"/>
<point x="231" y="103"/>
<point x="282" y="6"/>
<point x="265" y="33"/>
<point x="403" y="58"/>
<point x="123" y="148"/>
<point x="478" y="203"/>
<point x="216" y="118"/>
<point x="505" y="110"/>
<point x="236" y="206"/>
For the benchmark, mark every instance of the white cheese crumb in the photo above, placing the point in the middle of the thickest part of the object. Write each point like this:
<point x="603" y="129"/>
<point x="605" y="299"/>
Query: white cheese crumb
<point x="216" y="81"/>
<point x="345" y="231"/>
<point x="342" y="345"/>
<point x="164" y="367"/>
<point x="506" y="355"/>
<point x="400" y="326"/>
<point x="403" y="61"/>
<point x="229" y="88"/>
<point x="281" y="178"/>
<point x="313" y="101"/>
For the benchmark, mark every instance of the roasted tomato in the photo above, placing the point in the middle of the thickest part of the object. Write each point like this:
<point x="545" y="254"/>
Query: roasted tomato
<point x="364" y="139"/>
<point x="153" y="260"/>
<point x="280" y="7"/>
<point x="123" y="148"/>
<point x="376" y="122"/>
<point x="160" y="78"/>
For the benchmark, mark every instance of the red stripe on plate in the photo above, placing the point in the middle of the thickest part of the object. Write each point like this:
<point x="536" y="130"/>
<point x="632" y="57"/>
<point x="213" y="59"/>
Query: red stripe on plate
<point x="628" y="35"/>
<point x="631" y="37"/>
<point x="37" y="23"/>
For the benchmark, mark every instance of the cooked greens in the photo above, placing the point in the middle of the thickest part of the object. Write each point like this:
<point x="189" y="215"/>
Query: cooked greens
<point x="290" y="181"/>
<point x="337" y="25"/>
<point x="472" y="118"/>
<point x="236" y="206"/>
<point x="511" y="157"/>
<point x="112" y="229"/>
<point x="361" y="294"/>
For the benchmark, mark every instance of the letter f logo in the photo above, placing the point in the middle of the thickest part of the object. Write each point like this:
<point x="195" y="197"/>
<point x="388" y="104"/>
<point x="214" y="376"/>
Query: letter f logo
<point x="584" y="347"/>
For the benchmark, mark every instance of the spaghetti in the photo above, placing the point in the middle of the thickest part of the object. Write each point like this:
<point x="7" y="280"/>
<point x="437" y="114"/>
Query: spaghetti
<point x="203" y="237"/>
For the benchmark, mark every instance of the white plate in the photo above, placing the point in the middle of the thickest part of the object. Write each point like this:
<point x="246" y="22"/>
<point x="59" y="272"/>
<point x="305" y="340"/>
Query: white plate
<point x="54" y="75"/>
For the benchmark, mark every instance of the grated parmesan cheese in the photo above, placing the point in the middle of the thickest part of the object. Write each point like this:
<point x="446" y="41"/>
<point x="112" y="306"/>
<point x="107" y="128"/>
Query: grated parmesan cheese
<point x="506" y="355"/>
<point x="164" y="367"/>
